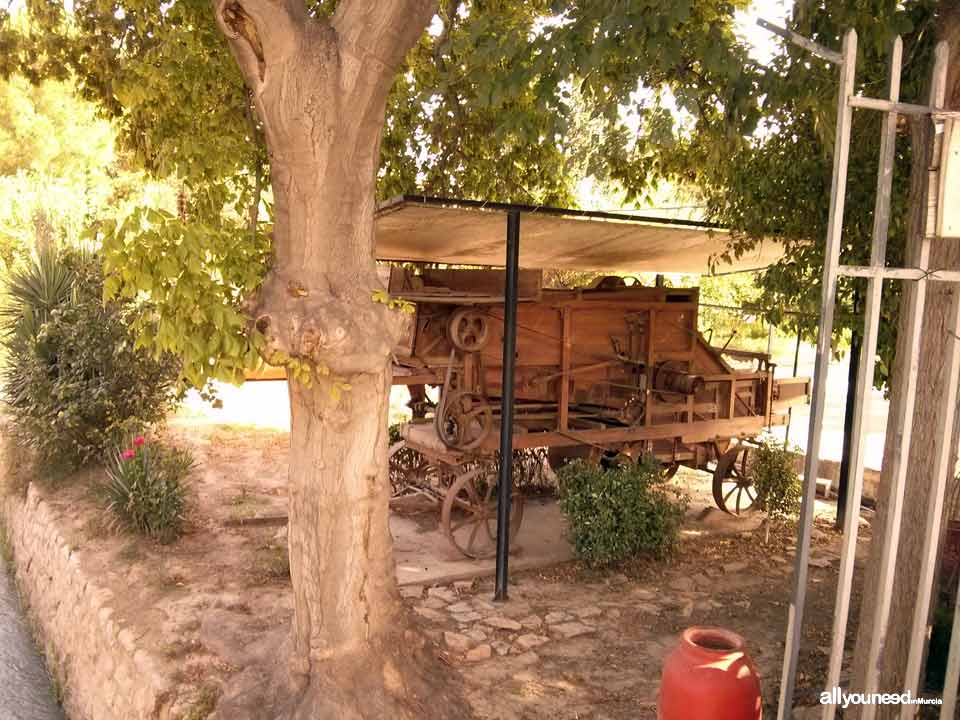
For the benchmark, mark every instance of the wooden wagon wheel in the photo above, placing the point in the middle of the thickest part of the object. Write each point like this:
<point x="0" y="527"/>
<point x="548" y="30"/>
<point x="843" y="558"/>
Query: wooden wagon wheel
<point x="464" y="420"/>
<point x="469" y="514"/>
<point x="468" y="330"/>
<point x="733" y="489"/>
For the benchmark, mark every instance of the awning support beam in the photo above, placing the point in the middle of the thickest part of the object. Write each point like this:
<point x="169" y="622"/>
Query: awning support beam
<point x="505" y="478"/>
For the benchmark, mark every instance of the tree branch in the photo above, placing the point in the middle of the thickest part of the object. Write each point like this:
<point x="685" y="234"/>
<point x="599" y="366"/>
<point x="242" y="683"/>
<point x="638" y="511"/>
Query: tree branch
<point x="261" y="33"/>
<point x="381" y="30"/>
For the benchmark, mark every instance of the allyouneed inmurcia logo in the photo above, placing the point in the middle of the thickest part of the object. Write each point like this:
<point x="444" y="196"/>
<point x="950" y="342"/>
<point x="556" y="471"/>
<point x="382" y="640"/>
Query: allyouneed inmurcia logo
<point x="845" y="699"/>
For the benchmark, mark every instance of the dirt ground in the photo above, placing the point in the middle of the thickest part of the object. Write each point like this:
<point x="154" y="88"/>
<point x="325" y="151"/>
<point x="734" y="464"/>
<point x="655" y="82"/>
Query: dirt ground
<point x="570" y="643"/>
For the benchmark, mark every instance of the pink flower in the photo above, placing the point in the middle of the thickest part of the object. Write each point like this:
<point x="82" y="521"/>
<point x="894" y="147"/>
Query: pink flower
<point x="128" y="454"/>
<point x="139" y="440"/>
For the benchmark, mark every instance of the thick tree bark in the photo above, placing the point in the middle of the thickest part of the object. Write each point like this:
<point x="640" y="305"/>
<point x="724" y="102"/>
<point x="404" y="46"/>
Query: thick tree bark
<point x="320" y="90"/>
<point x="926" y="420"/>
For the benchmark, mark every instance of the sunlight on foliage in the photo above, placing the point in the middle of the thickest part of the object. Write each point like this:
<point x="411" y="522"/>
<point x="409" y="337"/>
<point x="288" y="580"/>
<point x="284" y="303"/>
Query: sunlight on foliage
<point x="190" y="280"/>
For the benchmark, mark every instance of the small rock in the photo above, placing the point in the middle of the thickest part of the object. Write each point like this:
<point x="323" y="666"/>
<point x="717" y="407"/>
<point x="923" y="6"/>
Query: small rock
<point x="552" y="618"/>
<point x="467" y="617"/>
<point x="644" y="594"/>
<point x="434" y="603"/>
<point x="432" y="615"/>
<point x="684" y="584"/>
<point x="281" y="535"/>
<point x="477" y="635"/>
<point x="571" y="629"/>
<point x="647" y="608"/>
<point x="460" y="607"/>
<point x="483" y="605"/>
<point x="530" y="641"/>
<point x="745" y="604"/>
<point x="411" y="591"/>
<point x="613" y="614"/>
<point x="531" y="621"/>
<point x="500" y="647"/>
<point x="503" y="623"/>
<point x="445" y="594"/>
<point x="618" y="579"/>
<point x="479" y="653"/>
<point x="528" y="658"/>
<point x="588" y="612"/>
<point x="735" y="567"/>
<point x="820" y="562"/>
<point x="701" y="580"/>
<point x="456" y="641"/>
<point x="686" y="610"/>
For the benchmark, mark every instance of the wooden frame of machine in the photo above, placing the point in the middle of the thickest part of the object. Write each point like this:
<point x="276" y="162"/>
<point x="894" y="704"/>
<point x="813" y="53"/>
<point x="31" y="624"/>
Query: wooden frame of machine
<point x="614" y="369"/>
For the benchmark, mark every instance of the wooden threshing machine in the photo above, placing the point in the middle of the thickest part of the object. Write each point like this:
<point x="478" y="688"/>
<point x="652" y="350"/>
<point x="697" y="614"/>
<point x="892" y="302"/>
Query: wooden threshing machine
<point x="614" y="369"/>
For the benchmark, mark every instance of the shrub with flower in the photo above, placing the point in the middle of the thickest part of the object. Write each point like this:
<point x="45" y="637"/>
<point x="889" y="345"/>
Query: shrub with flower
<point x="144" y="491"/>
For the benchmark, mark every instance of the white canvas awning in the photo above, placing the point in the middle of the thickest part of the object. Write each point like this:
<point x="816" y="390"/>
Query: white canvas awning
<point x="467" y="232"/>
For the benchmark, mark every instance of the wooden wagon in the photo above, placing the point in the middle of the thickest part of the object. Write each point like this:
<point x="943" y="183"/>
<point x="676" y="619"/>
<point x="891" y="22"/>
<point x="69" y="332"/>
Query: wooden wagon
<point x="617" y="369"/>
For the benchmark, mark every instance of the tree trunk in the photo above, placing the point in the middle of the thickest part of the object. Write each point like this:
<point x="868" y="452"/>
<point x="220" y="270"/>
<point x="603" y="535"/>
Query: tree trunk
<point x="320" y="90"/>
<point x="926" y="420"/>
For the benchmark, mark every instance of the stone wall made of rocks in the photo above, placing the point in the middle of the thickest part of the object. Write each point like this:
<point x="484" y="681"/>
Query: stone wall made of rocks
<point x="96" y="661"/>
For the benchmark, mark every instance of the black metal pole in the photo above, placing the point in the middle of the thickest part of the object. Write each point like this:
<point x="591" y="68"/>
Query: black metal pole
<point x="844" y="480"/>
<point x="796" y="364"/>
<point x="505" y="479"/>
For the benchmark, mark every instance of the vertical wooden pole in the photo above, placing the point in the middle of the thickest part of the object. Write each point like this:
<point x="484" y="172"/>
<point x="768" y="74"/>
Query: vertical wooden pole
<point x="863" y="382"/>
<point x="565" y="351"/>
<point x="902" y="429"/>
<point x="841" y="157"/>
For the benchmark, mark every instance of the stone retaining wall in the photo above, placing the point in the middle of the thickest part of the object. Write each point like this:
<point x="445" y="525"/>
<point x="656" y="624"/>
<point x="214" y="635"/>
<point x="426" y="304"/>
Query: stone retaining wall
<point x="104" y="675"/>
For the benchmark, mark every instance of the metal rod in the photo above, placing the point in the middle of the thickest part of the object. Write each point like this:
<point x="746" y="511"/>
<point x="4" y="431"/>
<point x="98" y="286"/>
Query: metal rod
<point x="806" y="43"/>
<point x="903" y="431"/>
<point x="935" y="111"/>
<point x="863" y="384"/>
<point x="505" y="479"/>
<point x="838" y="193"/>
<point x="796" y="364"/>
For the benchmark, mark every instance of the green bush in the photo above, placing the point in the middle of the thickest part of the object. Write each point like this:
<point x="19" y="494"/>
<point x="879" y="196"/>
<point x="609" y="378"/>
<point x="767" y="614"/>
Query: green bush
<point x="621" y="511"/>
<point x="74" y="379"/>
<point x="144" y="491"/>
<point x="773" y="471"/>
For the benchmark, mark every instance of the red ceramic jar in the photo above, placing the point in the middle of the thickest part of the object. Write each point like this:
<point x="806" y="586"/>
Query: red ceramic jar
<point x="709" y="676"/>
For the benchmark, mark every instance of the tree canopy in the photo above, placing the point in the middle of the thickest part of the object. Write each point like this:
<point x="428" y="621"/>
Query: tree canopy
<point x="511" y="100"/>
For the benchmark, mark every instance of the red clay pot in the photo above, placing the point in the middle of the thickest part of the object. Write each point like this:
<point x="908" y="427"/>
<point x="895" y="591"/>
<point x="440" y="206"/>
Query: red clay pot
<point x="709" y="676"/>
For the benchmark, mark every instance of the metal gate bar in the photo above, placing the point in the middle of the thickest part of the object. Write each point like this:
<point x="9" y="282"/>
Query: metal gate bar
<point x="876" y="273"/>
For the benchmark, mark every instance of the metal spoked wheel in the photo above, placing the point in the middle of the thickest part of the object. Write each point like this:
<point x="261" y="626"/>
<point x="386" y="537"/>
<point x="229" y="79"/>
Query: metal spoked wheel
<point x="733" y="489"/>
<point x="464" y="420"/>
<point x="468" y="330"/>
<point x="408" y="470"/>
<point x="469" y="514"/>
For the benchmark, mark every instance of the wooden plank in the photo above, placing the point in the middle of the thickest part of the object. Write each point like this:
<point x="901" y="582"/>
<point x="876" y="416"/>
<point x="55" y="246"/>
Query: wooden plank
<point x="948" y="213"/>
<point x="565" y="353"/>
<point x="702" y="431"/>
<point x="841" y="158"/>
<point x="936" y="111"/>
<point x="864" y="381"/>
<point x="943" y="469"/>
<point x="900" y="273"/>
<point x="809" y="45"/>
<point x="902" y="429"/>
